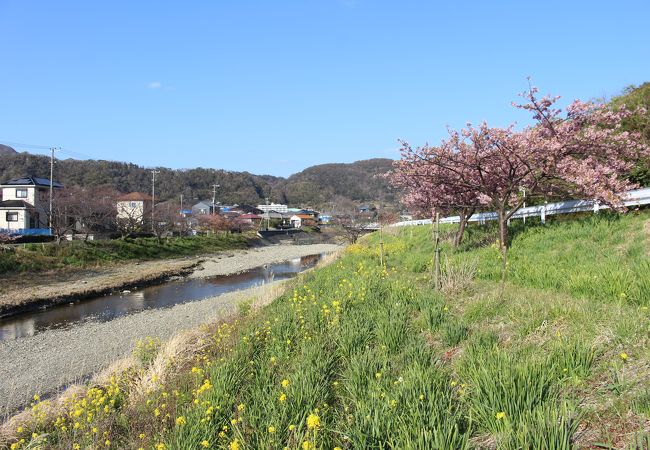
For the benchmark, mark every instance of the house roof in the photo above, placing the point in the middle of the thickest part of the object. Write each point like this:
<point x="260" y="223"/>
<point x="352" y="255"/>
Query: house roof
<point x="32" y="181"/>
<point x="272" y="215"/>
<point x="135" y="196"/>
<point x="250" y="216"/>
<point x="248" y="209"/>
<point x="303" y="216"/>
<point x="15" y="204"/>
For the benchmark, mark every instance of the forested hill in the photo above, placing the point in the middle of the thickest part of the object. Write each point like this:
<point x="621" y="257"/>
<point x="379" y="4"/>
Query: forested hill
<point x="635" y="97"/>
<point x="322" y="184"/>
<point x="314" y="187"/>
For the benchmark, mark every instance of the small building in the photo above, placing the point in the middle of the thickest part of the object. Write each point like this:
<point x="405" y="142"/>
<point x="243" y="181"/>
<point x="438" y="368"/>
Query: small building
<point x="25" y="205"/>
<point x="253" y="219"/>
<point x="131" y="207"/>
<point x="274" y="207"/>
<point x="203" y="207"/>
<point x="272" y="215"/>
<point x="309" y="212"/>
<point x="298" y="220"/>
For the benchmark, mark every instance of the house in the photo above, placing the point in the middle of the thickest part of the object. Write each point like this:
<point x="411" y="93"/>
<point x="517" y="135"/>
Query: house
<point x="203" y="207"/>
<point x="311" y="213"/>
<point x="25" y="204"/>
<point x="274" y="207"/>
<point x="253" y="219"/>
<point x="298" y="220"/>
<point x="131" y="207"/>
<point x="272" y="215"/>
<point x="247" y="209"/>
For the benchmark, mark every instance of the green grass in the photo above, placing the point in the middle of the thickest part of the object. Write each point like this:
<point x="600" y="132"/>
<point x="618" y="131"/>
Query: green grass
<point x="358" y="356"/>
<point x="35" y="257"/>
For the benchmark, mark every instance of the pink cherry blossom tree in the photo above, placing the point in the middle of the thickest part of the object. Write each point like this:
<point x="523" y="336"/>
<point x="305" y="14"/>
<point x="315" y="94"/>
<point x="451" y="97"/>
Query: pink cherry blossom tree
<point x="438" y="187"/>
<point x="581" y="152"/>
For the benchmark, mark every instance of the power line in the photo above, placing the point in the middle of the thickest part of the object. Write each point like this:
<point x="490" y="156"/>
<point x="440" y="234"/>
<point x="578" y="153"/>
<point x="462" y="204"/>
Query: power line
<point x="18" y="144"/>
<point x="64" y="150"/>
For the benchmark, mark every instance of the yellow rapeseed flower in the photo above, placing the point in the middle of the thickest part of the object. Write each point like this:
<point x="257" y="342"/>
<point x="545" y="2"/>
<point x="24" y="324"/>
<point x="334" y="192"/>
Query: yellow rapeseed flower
<point x="292" y="427"/>
<point x="180" y="421"/>
<point x="234" y="445"/>
<point x="623" y="356"/>
<point x="160" y="446"/>
<point x="313" y="421"/>
<point x="285" y="383"/>
<point x="241" y="407"/>
<point x="306" y="445"/>
<point x="271" y="429"/>
<point x="500" y="415"/>
<point x="205" y="443"/>
<point x="282" y="398"/>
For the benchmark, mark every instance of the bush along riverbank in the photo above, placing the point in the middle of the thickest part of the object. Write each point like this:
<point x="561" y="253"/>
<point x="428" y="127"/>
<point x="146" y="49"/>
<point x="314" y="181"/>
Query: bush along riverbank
<point x="38" y="257"/>
<point x="359" y="356"/>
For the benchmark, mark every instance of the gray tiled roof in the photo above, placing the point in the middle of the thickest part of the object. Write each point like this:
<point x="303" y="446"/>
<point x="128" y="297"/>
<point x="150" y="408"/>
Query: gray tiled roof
<point x="32" y="181"/>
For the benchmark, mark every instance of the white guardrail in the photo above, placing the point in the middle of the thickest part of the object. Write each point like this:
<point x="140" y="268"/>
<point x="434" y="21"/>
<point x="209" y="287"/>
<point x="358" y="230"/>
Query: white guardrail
<point x="633" y="198"/>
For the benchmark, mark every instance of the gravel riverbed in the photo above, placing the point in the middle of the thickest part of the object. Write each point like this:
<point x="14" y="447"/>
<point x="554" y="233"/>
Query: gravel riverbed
<point x="45" y="362"/>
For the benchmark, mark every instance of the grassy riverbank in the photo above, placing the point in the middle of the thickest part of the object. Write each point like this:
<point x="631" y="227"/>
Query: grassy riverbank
<point x="38" y="257"/>
<point x="359" y="356"/>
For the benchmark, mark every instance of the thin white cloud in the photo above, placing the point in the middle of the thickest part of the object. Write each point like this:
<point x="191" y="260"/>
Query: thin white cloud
<point x="155" y="85"/>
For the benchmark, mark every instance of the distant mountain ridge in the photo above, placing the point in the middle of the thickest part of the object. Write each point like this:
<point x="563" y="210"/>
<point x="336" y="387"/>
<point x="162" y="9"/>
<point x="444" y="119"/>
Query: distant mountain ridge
<point x="315" y="186"/>
<point x="6" y="150"/>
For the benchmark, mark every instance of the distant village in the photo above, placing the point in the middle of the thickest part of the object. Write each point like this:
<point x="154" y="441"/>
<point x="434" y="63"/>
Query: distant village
<point x="33" y="206"/>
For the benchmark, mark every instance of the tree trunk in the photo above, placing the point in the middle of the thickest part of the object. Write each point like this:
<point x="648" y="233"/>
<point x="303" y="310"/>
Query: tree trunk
<point x="465" y="214"/>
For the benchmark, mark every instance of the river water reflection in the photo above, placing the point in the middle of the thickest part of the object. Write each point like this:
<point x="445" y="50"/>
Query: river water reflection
<point x="164" y="295"/>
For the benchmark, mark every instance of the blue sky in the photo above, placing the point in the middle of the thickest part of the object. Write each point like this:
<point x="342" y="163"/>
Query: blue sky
<point x="276" y="86"/>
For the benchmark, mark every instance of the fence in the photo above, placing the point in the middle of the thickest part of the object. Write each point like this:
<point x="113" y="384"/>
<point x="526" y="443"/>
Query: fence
<point x="633" y="198"/>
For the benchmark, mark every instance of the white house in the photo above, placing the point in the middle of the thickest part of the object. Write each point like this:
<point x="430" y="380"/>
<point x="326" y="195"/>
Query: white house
<point x="25" y="203"/>
<point x="131" y="207"/>
<point x="297" y="219"/>
<point x="274" y="207"/>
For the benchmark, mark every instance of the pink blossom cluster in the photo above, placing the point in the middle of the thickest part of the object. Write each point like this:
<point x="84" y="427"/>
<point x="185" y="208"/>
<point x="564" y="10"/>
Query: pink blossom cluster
<point x="580" y="152"/>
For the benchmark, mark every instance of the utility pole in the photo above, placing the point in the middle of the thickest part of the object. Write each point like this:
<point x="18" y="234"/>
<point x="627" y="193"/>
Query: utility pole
<point x="153" y="198"/>
<point x="214" y="196"/>
<point x="268" y="215"/>
<point x="52" y="150"/>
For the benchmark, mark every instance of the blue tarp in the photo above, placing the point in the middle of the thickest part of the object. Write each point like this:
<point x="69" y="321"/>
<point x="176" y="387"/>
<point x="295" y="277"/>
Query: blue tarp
<point x="27" y="232"/>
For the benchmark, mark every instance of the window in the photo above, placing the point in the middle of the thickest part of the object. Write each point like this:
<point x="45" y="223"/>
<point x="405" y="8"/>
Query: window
<point x="21" y="193"/>
<point x="132" y="205"/>
<point x="12" y="217"/>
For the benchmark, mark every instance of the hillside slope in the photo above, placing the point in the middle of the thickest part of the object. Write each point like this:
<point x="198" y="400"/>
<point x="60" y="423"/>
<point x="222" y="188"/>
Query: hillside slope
<point x="361" y="356"/>
<point x="635" y="97"/>
<point x="315" y="186"/>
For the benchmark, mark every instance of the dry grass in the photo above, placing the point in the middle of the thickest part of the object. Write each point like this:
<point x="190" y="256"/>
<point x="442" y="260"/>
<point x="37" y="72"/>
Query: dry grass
<point x="457" y="278"/>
